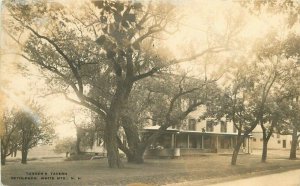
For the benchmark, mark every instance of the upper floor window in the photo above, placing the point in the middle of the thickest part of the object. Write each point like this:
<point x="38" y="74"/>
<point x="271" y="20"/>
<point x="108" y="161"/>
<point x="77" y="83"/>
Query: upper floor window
<point x="209" y="126"/>
<point x="192" y="124"/>
<point x="192" y="102"/>
<point x="223" y="126"/>
<point x="234" y="129"/>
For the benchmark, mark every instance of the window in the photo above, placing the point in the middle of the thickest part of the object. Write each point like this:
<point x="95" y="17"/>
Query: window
<point x="99" y="141"/>
<point x="234" y="129"/>
<point x="209" y="126"/>
<point x="279" y="141"/>
<point x="261" y="139"/>
<point x="192" y="124"/>
<point x="254" y="139"/>
<point x="223" y="126"/>
<point x="191" y="102"/>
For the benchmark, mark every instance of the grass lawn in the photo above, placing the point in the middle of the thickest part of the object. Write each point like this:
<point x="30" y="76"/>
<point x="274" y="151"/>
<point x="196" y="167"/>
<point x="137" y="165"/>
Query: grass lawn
<point x="152" y="172"/>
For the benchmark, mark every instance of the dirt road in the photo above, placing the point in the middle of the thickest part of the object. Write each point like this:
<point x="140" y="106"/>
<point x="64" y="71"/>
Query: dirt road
<point x="289" y="178"/>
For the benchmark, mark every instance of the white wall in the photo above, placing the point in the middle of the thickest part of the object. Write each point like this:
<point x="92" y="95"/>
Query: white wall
<point x="275" y="142"/>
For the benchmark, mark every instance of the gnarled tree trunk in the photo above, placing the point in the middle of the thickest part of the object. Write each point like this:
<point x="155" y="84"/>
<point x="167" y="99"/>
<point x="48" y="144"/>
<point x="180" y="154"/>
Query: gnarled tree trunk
<point x="24" y="156"/>
<point x="136" y="156"/>
<point x="139" y="155"/>
<point x="3" y="153"/>
<point x="266" y="138"/>
<point x="3" y="159"/>
<point x="137" y="147"/>
<point x="293" y="152"/>
<point x="3" y="156"/>
<point x="111" y="141"/>
<point x="135" y="150"/>
<point x="237" y="148"/>
<point x="264" y="151"/>
<point x="78" y="140"/>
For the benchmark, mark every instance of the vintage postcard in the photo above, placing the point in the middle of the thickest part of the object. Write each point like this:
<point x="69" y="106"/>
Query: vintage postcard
<point x="150" y="92"/>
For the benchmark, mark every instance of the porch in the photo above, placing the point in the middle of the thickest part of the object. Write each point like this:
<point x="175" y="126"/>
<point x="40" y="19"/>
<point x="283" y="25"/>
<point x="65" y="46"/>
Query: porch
<point x="193" y="143"/>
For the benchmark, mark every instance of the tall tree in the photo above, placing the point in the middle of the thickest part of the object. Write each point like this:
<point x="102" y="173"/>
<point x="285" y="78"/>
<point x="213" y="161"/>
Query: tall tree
<point x="99" y="47"/>
<point x="243" y="100"/>
<point x="8" y="137"/>
<point x="33" y="129"/>
<point x="290" y="111"/>
<point x="24" y="129"/>
<point x="279" y="57"/>
<point x="294" y="119"/>
<point x="167" y="100"/>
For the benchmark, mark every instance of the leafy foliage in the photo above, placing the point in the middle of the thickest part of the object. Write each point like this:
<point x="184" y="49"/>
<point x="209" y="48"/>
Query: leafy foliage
<point x="65" y="145"/>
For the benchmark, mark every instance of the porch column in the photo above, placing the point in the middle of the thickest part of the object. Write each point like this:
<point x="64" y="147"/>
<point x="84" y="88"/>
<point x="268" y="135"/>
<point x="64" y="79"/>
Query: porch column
<point x="188" y="141"/>
<point x="231" y="142"/>
<point x="248" y="146"/>
<point x="175" y="140"/>
<point x="202" y="141"/>
<point x="172" y="142"/>
<point x="217" y="143"/>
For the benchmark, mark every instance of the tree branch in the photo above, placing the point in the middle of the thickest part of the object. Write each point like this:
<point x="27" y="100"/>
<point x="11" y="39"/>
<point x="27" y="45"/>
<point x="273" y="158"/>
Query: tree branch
<point x="97" y="110"/>
<point x="177" y="61"/>
<point x="60" y="51"/>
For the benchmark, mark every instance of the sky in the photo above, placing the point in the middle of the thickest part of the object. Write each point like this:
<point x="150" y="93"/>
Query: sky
<point x="197" y="18"/>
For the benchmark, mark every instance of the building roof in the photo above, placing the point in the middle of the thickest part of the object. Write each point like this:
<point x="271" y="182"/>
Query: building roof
<point x="170" y="129"/>
<point x="156" y="127"/>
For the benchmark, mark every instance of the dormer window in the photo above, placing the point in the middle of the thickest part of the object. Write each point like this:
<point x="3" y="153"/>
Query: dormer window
<point x="192" y="124"/>
<point x="223" y="126"/>
<point x="209" y="126"/>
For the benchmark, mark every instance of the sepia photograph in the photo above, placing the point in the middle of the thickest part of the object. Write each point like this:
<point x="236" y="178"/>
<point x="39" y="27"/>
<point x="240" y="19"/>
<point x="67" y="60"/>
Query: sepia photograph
<point x="150" y="92"/>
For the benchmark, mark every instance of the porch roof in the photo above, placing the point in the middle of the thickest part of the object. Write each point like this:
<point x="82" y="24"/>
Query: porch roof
<point x="209" y="133"/>
<point x="177" y="131"/>
<point x="156" y="127"/>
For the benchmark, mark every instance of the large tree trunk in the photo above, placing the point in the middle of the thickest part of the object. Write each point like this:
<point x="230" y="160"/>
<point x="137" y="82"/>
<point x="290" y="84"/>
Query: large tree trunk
<point x="15" y="152"/>
<point x="111" y="141"/>
<point x="266" y="137"/>
<point x="3" y="153"/>
<point x="294" y="145"/>
<point x="3" y="159"/>
<point x="135" y="151"/>
<point x="265" y="148"/>
<point x="264" y="151"/>
<point x="137" y="156"/>
<point x="134" y="155"/>
<point x="236" y="150"/>
<point x="112" y="122"/>
<point x="78" y="151"/>
<point x="24" y="156"/>
<point x="136" y="148"/>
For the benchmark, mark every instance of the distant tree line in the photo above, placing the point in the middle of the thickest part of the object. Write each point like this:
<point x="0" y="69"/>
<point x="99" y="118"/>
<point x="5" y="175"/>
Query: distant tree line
<point x="23" y="129"/>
